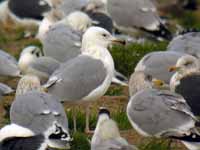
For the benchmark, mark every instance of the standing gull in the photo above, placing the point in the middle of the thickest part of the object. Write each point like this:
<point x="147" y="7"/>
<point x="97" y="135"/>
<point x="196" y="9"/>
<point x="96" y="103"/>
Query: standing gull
<point x="163" y="114"/>
<point x="156" y="64"/>
<point x="107" y="136"/>
<point x="88" y="76"/>
<point x="36" y="110"/>
<point x="188" y="43"/>
<point x="186" y="81"/>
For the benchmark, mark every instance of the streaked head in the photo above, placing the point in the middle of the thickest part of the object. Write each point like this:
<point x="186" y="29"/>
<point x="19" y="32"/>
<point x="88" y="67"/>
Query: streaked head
<point x="97" y="36"/>
<point x="186" y="64"/>
<point x="79" y="21"/>
<point x="28" y="55"/>
<point x="28" y="83"/>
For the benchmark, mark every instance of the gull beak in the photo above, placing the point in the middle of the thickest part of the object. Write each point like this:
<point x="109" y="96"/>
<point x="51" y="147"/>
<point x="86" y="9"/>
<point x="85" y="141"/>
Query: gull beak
<point x="158" y="83"/>
<point x="115" y="40"/>
<point x="44" y="89"/>
<point x="173" y="68"/>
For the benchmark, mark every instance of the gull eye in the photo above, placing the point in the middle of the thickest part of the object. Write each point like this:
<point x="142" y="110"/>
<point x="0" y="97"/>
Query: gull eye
<point x="149" y="77"/>
<point x="105" y="35"/>
<point x="188" y="63"/>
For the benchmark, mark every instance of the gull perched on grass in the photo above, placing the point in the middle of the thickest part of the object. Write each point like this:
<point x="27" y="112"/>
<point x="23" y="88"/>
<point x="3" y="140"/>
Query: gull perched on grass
<point x="36" y="110"/>
<point x="107" y="136"/>
<point x="88" y="76"/>
<point x="15" y="137"/>
<point x="163" y="114"/>
<point x="186" y="81"/>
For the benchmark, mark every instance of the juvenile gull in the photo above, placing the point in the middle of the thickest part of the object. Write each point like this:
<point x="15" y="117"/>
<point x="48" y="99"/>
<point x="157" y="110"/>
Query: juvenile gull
<point x="8" y="65"/>
<point x="36" y="110"/>
<point x="87" y="76"/>
<point x="24" y="12"/>
<point x="186" y="81"/>
<point x="163" y="114"/>
<point x="157" y="64"/>
<point x="15" y="137"/>
<point x="107" y="135"/>
<point x="188" y="43"/>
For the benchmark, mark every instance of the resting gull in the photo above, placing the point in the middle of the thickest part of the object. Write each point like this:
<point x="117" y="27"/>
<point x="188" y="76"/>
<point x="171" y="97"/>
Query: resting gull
<point x="88" y="76"/>
<point x="107" y="135"/>
<point x="157" y="64"/>
<point x="186" y="81"/>
<point x="163" y="114"/>
<point x="140" y="80"/>
<point x="36" y="110"/>
<point x="15" y="137"/>
<point x="188" y="43"/>
<point x="24" y="12"/>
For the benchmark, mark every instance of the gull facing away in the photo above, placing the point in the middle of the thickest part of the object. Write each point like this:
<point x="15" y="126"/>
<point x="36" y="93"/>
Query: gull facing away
<point x="15" y="137"/>
<point x="88" y="76"/>
<point x="8" y="65"/>
<point x="23" y="12"/>
<point x="157" y="64"/>
<point x="107" y="136"/>
<point x="36" y="110"/>
<point x="188" y="43"/>
<point x="163" y="114"/>
<point x="186" y="81"/>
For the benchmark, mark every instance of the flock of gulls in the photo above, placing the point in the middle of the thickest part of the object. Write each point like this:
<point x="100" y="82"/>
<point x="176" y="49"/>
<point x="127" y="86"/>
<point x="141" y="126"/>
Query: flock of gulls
<point x="75" y="67"/>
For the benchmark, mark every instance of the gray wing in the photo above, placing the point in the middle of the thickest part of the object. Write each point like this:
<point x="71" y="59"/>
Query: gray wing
<point x="188" y="43"/>
<point x="136" y="13"/>
<point x="160" y="113"/>
<point x="69" y="6"/>
<point x="60" y="43"/>
<point x="5" y="89"/>
<point x="8" y="56"/>
<point x="37" y="111"/>
<point x="45" y="64"/>
<point x="157" y="64"/>
<point x="76" y="78"/>
<point x="8" y="66"/>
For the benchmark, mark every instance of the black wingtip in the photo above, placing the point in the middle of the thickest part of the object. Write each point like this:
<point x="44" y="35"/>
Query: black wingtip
<point x="103" y="110"/>
<point x="193" y="137"/>
<point x="162" y="32"/>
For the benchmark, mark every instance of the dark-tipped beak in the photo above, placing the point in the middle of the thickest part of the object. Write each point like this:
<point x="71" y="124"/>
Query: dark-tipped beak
<point x="158" y="83"/>
<point x="118" y="41"/>
<point x="173" y="68"/>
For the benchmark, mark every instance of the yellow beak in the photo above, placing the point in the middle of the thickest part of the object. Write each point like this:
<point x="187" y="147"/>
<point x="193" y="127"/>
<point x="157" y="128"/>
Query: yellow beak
<point x="118" y="41"/>
<point x="158" y="83"/>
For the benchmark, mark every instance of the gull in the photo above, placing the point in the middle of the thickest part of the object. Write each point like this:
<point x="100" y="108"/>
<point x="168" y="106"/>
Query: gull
<point x="107" y="136"/>
<point x="157" y="64"/>
<point x="16" y="137"/>
<point x="22" y="12"/>
<point x="88" y="76"/>
<point x="163" y="114"/>
<point x="186" y="81"/>
<point x="36" y="110"/>
<point x="187" y="43"/>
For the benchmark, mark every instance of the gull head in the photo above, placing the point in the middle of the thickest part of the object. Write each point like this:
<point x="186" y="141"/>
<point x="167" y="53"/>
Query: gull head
<point x="28" y="55"/>
<point x="186" y="64"/>
<point x="97" y="36"/>
<point x="79" y="21"/>
<point x="28" y="83"/>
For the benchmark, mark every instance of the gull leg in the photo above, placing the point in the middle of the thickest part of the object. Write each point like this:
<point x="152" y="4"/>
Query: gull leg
<point x="74" y="118"/>
<point x="87" y="124"/>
